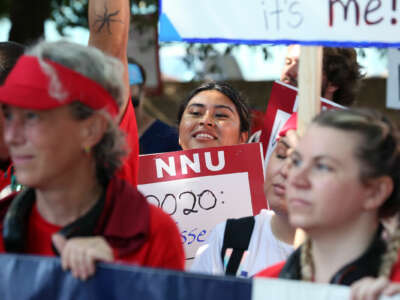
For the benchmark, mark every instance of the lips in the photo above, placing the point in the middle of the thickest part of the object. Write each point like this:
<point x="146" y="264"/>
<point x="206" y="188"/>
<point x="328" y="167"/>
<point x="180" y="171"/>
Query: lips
<point x="279" y="189"/>
<point x="21" y="159"/>
<point x="290" y="81"/>
<point x="299" y="203"/>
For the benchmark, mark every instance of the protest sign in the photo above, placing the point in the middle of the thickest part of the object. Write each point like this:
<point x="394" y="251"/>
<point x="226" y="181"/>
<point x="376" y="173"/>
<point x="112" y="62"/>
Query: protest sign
<point x="324" y="22"/>
<point x="291" y="289"/>
<point x="393" y="81"/>
<point x="202" y="187"/>
<point x="39" y="278"/>
<point x="282" y="103"/>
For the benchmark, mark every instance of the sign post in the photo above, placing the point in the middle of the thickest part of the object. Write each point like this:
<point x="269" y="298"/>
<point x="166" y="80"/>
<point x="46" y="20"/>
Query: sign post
<point x="310" y="79"/>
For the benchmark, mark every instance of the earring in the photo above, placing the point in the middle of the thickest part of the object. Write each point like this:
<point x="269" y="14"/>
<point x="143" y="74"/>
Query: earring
<point x="87" y="149"/>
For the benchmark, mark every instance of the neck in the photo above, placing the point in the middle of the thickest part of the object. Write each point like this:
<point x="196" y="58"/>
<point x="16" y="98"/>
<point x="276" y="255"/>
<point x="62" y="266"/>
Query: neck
<point x="281" y="229"/>
<point x="66" y="200"/>
<point x="143" y="119"/>
<point x="352" y="242"/>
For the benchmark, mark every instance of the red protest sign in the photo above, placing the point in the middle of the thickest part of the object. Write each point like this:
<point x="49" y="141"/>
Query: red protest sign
<point x="200" y="188"/>
<point x="282" y="103"/>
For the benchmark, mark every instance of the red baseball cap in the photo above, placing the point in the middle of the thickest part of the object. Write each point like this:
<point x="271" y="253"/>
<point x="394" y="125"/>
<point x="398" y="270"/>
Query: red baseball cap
<point x="28" y="86"/>
<point x="291" y="124"/>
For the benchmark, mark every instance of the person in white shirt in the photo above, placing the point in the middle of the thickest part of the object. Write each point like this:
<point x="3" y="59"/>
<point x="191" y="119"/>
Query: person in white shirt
<point x="271" y="236"/>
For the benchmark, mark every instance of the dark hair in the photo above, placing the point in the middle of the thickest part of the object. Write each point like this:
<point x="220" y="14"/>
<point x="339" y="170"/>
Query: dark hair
<point x="342" y="70"/>
<point x="224" y="88"/>
<point x="379" y="153"/>
<point x="9" y="54"/>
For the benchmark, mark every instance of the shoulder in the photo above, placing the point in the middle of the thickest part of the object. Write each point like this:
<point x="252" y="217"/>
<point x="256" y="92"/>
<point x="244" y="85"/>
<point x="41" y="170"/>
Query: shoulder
<point x="271" y="272"/>
<point x="264" y="217"/>
<point x="4" y="205"/>
<point x="165" y="241"/>
<point x="395" y="275"/>
<point x="128" y="119"/>
<point x="160" y="221"/>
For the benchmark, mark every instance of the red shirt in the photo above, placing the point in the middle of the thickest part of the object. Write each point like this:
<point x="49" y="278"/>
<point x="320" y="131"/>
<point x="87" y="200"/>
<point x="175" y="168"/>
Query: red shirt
<point x="163" y="249"/>
<point x="138" y="232"/>
<point x="5" y="178"/>
<point x="130" y="167"/>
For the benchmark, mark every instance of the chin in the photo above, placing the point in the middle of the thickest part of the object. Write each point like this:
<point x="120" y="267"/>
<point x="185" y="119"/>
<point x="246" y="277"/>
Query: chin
<point x="202" y="145"/>
<point x="299" y="222"/>
<point x="27" y="180"/>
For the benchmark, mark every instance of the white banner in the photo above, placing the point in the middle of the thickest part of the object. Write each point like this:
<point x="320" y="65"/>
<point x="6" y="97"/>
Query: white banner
<point x="322" y="22"/>
<point x="280" y="289"/>
<point x="393" y="84"/>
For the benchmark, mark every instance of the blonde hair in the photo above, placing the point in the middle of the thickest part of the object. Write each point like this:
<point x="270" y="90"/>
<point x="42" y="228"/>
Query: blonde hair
<point x="306" y="261"/>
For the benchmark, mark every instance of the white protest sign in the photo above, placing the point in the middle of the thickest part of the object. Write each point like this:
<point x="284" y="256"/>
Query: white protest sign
<point x="282" y="289"/>
<point x="202" y="187"/>
<point x="282" y="103"/>
<point x="393" y="81"/>
<point x="308" y="22"/>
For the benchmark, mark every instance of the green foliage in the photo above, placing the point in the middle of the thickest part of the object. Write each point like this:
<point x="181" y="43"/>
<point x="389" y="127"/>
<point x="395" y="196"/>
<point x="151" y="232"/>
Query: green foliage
<point x="4" y="8"/>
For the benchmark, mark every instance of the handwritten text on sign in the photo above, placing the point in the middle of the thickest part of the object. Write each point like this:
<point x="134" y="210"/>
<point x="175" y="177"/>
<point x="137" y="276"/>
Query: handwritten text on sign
<point x="361" y="22"/>
<point x="203" y="187"/>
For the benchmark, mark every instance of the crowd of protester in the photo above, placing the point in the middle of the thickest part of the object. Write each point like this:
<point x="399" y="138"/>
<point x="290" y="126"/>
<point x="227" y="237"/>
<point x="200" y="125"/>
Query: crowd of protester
<point x="69" y="145"/>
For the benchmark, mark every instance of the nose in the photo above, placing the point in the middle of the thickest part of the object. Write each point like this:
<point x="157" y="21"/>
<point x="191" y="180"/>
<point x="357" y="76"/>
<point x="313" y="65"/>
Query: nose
<point x="298" y="176"/>
<point x="207" y="119"/>
<point x="284" y="170"/>
<point x="13" y="132"/>
<point x="292" y="70"/>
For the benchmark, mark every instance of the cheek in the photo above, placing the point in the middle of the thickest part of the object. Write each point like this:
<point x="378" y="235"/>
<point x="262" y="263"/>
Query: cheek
<point x="231" y="132"/>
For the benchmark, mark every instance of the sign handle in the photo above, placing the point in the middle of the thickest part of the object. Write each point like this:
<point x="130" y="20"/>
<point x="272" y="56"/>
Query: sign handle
<point x="310" y="80"/>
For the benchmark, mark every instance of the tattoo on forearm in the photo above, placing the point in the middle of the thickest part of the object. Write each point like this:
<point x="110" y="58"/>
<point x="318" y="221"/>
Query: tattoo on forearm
<point x="106" y="19"/>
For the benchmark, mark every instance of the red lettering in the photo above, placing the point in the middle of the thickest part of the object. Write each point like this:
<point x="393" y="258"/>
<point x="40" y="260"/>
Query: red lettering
<point x="369" y="10"/>
<point x="346" y="9"/>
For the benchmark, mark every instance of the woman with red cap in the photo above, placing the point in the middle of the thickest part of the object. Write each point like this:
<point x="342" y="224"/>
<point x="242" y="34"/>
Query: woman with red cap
<point x="60" y="104"/>
<point x="243" y="247"/>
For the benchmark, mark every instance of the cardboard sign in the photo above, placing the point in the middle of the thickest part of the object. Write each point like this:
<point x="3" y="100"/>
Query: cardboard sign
<point x="393" y="81"/>
<point x="282" y="103"/>
<point x="324" y="22"/>
<point x="203" y="187"/>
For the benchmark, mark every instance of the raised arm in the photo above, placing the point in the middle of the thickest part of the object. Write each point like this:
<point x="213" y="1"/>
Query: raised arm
<point x="109" y="29"/>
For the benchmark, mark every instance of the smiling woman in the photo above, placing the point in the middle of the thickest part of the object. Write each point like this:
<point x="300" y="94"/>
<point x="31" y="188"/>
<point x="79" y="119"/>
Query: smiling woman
<point x="213" y="115"/>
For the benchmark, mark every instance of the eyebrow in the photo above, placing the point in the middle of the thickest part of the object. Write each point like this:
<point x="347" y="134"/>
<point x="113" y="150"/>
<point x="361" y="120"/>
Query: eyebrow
<point x="319" y="157"/>
<point x="282" y="140"/>
<point x="215" y="106"/>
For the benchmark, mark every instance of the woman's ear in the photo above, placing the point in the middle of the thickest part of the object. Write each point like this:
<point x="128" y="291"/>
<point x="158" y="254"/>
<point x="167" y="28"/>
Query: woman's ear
<point x="378" y="190"/>
<point x="243" y="138"/>
<point x="93" y="130"/>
